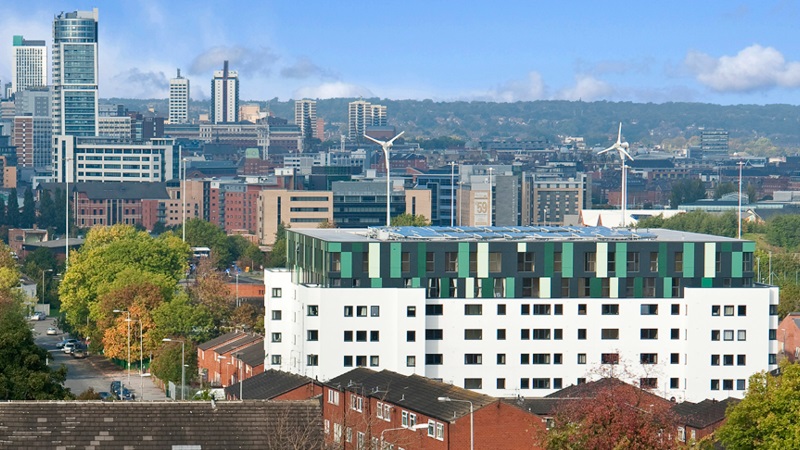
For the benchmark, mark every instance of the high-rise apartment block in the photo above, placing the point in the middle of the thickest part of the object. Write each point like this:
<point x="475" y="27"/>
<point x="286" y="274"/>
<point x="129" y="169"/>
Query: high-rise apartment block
<point x="179" y="99"/>
<point x="510" y="311"/>
<point x="379" y="116"/>
<point x="225" y="96"/>
<point x="362" y="114"/>
<point x="29" y="64"/>
<point x="75" y="73"/>
<point x="305" y="116"/>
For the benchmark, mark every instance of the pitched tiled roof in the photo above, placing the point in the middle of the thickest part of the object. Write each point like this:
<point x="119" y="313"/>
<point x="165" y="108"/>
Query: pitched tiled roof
<point x="539" y="406"/>
<point x="240" y="343"/>
<point x="219" y="340"/>
<point x="703" y="414"/>
<point x="160" y="425"/>
<point x="414" y="392"/>
<point x="252" y="355"/>
<point x="115" y="189"/>
<point x="267" y="385"/>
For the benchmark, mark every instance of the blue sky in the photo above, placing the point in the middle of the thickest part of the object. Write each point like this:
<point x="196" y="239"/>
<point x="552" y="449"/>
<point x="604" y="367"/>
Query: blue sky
<point x="723" y="52"/>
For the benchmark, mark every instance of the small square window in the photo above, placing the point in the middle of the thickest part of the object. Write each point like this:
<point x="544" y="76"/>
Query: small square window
<point x="714" y="335"/>
<point x="675" y="309"/>
<point x="715" y="310"/>
<point x="501" y="334"/>
<point x="277" y="292"/>
<point x="581" y="333"/>
<point x="501" y="383"/>
<point x="741" y="360"/>
<point x="411" y="336"/>
<point x="374" y="361"/>
<point x="727" y="335"/>
<point x="525" y="310"/>
<point x="728" y="310"/>
<point x="582" y="309"/>
<point x="741" y="335"/>
<point x="501" y="310"/>
<point x="374" y="311"/>
<point x="312" y="310"/>
<point x="714" y="385"/>
<point x="348" y="311"/>
<point x="312" y="335"/>
<point x="674" y="383"/>
<point x="276" y="360"/>
<point x="501" y="359"/>
<point x="581" y="358"/>
<point x="741" y="310"/>
<point x="740" y="385"/>
<point x="348" y="336"/>
<point x="276" y="337"/>
<point x="361" y="311"/>
<point x="674" y="358"/>
<point x="411" y="311"/>
<point x="675" y="333"/>
<point x="374" y="336"/>
<point x="276" y="314"/>
<point x="558" y="310"/>
<point x="714" y="360"/>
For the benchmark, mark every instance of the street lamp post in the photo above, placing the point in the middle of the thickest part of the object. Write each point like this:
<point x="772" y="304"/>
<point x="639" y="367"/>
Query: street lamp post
<point x="183" y="366"/>
<point x="43" y="289"/>
<point x="416" y="427"/>
<point x="471" y="419"/>
<point x="128" y="319"/>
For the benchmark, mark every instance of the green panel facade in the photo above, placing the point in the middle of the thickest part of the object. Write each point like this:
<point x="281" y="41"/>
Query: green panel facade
<point x="487" y="287"/>
<point x="510" y="287"/>
<point x="638" y="287"/>
<point x="749" y="247"/>
<point x="688" y="259"/>
<point x="596" y="287"/>
<point x="463" y="259"/>
<point x="621" y="259"/>
<point x="707" y="282"/>
<point x="662" y="259"/>
<point x="347" y="265"/>
<point x="736" y="264"/>
<point x="567" y="259"/>
<point x="667" y="287"/>
<point x="376" y="282"/>
<point x="395" y="260"/>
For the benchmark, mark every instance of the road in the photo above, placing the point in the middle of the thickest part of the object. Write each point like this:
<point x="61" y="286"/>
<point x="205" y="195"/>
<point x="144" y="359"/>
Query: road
<point x="92" y="372"/>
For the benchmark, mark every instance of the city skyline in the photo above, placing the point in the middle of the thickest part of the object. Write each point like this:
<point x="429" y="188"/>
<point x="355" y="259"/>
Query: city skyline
<point x="713" y="52"/>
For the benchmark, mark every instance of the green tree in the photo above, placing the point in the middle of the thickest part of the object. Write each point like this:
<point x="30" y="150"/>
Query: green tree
<point x="28" y="216"/>
<point x="182" y="317"/>
<point x="108" y="257"/>
<point x="784" y="231"/>
<point x="3" y="216"/>
<point x="167" y="362"/>
<point x="277" y="255"/>
<point x="47" y="213"/>
<point x="725" y="188"/>
<point x="687" y="191"/>
<point x="12" y="212"/>
<point x="409" y="220"/>
<point x="200" y="233"/>
<point x="767" y="416"/>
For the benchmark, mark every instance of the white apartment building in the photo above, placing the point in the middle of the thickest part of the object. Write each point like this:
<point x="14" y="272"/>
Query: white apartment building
<point x="117" y="127"/>
<point x="29" y="64"/>
<point x="225" y="96"/>
<point x="178" y="99"/>
<point x="526" y="311"/>
<point x="305" y="116"/>
<point x="110" y="159"/>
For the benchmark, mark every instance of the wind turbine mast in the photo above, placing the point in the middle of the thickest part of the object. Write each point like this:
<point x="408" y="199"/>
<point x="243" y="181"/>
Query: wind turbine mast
<point x="385" y="146"/>
<point x="621" y="148"/>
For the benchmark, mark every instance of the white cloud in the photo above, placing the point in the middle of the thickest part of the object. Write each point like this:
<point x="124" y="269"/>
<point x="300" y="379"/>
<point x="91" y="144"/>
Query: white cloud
<point x="304" y="68"/>
<point x="140" y="84"/>
<point x="336" y="89"/>
<point x="247" y="61"/>
<point x="526" y="89"/>
<point x="586" y="88"/>
<point x="753" y="68"/>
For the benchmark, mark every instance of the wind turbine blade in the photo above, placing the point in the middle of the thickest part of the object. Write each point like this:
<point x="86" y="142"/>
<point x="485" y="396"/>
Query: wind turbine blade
<point x="392" y="139"/>
<point x="613" y="147"/>
<point x="623" y="152"/>
<point x="619" y="135"/>
<point x="375" y="140"/>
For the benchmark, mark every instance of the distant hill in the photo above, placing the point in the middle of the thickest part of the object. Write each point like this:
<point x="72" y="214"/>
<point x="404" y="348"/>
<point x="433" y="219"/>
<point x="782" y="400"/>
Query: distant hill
<point x="646" y="123"/>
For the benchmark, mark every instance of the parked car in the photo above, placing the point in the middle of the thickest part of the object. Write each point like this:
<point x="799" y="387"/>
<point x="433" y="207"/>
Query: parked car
<point x="126" y="394"/>
<point x="80" y="352"/>
<point x="64" y="342"/>
<point x="38" y="315"/>
<point x="69" y="347"/>
<point x="52" y="331"/>
<point x="106" y="396"/>
<point x="116" y="385"/>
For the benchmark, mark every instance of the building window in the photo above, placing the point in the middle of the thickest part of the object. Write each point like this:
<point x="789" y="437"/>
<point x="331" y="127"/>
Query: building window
<point x="727" y="360"/>
<point x="433" y="359"/>
<point x="589" y="260"/>
<point x="501" y="359"/>
<point x="675" y="309"/>
<point x="411" y="311"/>
<point x="610" y="310"/>
<point x="525" y="334"/>
<point x="501" y="309"/>
<point x="541" y="334"/>
<point x="674" y="383"/>
<point x="473" y="310"/>
<point x="649" y="310"/>
<point x="648" y="383"/>
<point x="348" y="361"/>
<point x="473" y="358"/>
<point x="411" y="336"/>
<point x="727" y="335"/>
<point x="429" y="262"/>
<point x="361" y="311"/>
<point x="678" y="262"/>
<point x="348" y="311"/>
<point x="714" y="335"/>
<point x="728" y="310"/>
<point x="276" y="314"/>
<point x="276" y="337"/>
<point x="741" y="310"/>
<point x="773" y="310"/>
<point x="530" y="287"/>
<point x="276" y="360"/>
<point x="654" y="262"/>
<point x="540" y="358"/>
<point x="451" y="261"/>
<point x="773" y="358"/>
<point x="557" y="262"/>
<point x="727" y="385"/>
<point x="374" y="336"/>
<point x="581" y="334"/>
<point x="374" y="361"/>
<point x="495" y="262"/>
<point x="648" y="333"/>
<point x="609" y="333"/>
<point x="558" y="310"/>
<point x="524" y="309"/>
<point x="374" y="311"/>
<point x="565" y="287"/>
<point x="714" y="360"/>
<point x="633" y="262"/>
<point x="333" y="397"/>
<point x="525" y="262"/>
<point x="741" y="360"/>
<point x="581" y="358"/>
<point x="541" y="310"/>
<point x="582" y="309"/>
<point x="740" y="385"/>
<point x="609" y="358"/>
<point x="473" y="383"/>
<point x="361" y="361"/>
<point x="501" y="334"/>
<point x="348" y="336"/>
<point x="524" y="358"/>
<point x="434" y="310"/>
<point x="649" y="287"/>
<point x="677" y="292"/>
<point x="411" y="361"/>
<point x="718" y="262"/>
<point x="674" y="358"/>
<point x="741" y="335"/>
<point x="405" y="262"/>
<point x="312" y="360"/>
<point x="540" y="383"/>
<point x="773" y="334"/>
<point x="714" y="385"/>
<point x="501" y="383"/>
<point x="312" y="335"/>
<point x="475" y="334"/>
<point x="648" y="358"/>
<point x="473" y="262"/>
<point x="277" y="292"/>
<point x="312" y="310"/>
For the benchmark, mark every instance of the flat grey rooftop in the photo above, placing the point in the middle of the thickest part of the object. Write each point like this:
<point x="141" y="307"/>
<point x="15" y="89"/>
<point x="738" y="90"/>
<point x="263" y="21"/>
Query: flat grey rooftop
<point x="509" y="234"/>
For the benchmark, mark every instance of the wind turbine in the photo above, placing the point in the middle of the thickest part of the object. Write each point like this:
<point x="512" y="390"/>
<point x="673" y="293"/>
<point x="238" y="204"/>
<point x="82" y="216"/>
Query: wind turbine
<point x="621" y="148"/>
<point x="386" y="145"/>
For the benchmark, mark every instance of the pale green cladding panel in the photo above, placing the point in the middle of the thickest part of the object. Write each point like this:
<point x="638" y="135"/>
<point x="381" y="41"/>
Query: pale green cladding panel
<point x="347" y="265"/>
<point x="737" y="262"/>
<point x="621" y="259"/>
<point x="688" y="260"/>
<point x="396" y="260"/>
<point x="568" y="259"/>
<point x="463" y="259"/>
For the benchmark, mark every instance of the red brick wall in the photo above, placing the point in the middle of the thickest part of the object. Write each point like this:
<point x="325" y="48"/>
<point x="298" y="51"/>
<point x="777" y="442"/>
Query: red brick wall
<point x="788" y="337"/>
<point x="304" y="392"/>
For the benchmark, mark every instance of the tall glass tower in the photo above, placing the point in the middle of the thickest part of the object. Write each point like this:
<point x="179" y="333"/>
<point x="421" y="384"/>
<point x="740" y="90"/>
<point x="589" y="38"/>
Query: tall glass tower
<point x="75" y="73"/>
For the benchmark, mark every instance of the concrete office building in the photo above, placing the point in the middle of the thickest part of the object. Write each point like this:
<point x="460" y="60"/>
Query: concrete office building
<point x="178" y="99"/>
<point x="110" y="159"/>
<point x="511" y="311"/>
<point x="305" y="116"/>
<point x="225" y="96"/>
<point x="29" y="64"/>
<point x="75" y="73"/>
